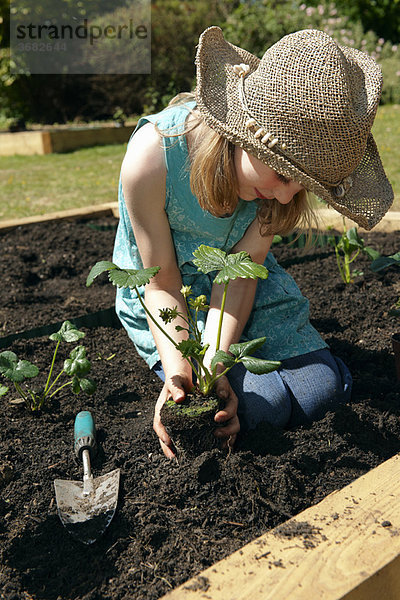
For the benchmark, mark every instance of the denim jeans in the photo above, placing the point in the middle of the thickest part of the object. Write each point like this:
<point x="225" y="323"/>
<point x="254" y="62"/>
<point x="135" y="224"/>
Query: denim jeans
<point x="301" y="391"/>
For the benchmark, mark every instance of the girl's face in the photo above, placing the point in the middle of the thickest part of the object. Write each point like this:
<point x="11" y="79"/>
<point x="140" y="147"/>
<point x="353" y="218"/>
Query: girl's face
<point x="256" y="180"/>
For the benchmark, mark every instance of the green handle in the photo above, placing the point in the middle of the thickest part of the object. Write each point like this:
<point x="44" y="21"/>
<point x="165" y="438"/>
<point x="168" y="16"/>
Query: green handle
<point x="84" y="433"/>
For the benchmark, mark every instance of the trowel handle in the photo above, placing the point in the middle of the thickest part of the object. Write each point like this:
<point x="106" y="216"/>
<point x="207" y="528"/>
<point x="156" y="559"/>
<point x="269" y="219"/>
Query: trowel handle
<point x="84" y="433"/>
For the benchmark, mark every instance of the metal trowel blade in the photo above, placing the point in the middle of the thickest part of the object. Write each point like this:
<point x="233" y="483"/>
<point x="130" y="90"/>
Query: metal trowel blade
<point x="86" y="516"/>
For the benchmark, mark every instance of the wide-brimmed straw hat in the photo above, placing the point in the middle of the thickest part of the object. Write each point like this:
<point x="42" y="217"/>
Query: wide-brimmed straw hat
<point x="306" y="110"/>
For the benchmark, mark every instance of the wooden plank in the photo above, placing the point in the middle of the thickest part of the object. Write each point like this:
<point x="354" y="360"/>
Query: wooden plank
<point x="62" y="140"/>
<point x="328" y="217"/>
<point x="21" y="142"/>
<point x="86" y="212"/>
<point x="346" y="547"/>
<point x="69" y="139"/>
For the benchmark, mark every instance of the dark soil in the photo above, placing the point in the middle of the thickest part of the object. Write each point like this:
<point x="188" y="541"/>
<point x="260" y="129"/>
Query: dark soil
<point x="172" y="520"/>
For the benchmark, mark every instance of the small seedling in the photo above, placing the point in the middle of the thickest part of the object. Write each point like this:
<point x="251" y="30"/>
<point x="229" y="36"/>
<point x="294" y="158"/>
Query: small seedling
<point x="228" y="267"/>
<point x="76" y="367"/>
<point x="349" y="246"/>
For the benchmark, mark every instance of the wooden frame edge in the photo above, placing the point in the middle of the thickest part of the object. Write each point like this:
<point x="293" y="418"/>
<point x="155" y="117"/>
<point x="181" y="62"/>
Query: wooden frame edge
<point x="86" y="212"/>
<point x="346" y="547"/>
<point x="327" y="218"/>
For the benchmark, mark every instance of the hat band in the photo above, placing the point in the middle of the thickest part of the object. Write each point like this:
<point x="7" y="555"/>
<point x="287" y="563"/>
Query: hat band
<point x="341" y="187"/>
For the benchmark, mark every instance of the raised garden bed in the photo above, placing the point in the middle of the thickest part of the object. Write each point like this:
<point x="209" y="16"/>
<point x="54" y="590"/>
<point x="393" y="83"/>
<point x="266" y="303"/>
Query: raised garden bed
<point x="47" y="141"/>
<point x="172" y="520"/>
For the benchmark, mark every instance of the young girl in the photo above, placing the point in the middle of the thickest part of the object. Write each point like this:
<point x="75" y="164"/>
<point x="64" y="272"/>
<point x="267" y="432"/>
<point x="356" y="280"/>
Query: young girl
<point x="230" y="167"/>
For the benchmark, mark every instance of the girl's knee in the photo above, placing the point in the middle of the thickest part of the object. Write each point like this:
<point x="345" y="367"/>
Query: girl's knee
<point x="262" y="398"/>
<point x="317" y="387"/>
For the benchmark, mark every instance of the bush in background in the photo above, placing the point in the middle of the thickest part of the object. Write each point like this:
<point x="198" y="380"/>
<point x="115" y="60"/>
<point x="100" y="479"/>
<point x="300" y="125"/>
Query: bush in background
<point x="257" y="25"/>
<point x="176" y="25"/>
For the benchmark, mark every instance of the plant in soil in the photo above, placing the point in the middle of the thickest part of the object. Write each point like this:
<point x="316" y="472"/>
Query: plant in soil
<point x="347" y="249"/>
<point x="193" y="420"/>
<point x="76" y="367"/>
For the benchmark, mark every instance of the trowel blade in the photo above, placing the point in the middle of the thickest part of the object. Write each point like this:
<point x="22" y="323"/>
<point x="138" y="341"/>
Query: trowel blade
<point x="87" y="516"/>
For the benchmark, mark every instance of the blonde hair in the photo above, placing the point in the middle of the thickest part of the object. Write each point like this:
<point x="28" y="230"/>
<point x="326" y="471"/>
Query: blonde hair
<point x="213" y="181"/>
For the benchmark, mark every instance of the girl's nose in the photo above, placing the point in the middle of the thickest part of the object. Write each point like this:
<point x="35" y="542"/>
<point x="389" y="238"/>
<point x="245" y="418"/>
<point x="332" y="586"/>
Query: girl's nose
<point x="284" y="195"/>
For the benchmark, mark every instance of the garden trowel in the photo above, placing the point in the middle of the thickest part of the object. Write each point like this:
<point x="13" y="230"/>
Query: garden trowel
<point x="87" y="507"/>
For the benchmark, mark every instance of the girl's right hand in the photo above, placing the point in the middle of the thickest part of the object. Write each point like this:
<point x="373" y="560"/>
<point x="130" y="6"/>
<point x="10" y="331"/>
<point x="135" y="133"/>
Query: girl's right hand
<point x="174" y="388"/>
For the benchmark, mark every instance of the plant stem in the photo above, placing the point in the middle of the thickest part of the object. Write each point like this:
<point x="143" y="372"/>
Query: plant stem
<point x="21" y="392"/>
<point x="339" y="264"/>
<point x="60" y="388"/>
<point x="47" y="391"/>
<point x="163" y="330"/>
<point x="148" y="313"/>
<point x="221" y="316"/>
<point x="51" y="368"/>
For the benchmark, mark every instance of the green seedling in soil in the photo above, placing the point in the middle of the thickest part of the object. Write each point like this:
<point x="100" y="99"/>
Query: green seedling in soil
<point x="207" y="259"/>
<point x="76" y="367"/>
<point x="349" y="246"/>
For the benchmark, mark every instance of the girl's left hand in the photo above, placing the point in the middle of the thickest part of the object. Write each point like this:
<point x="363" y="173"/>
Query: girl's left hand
<point x="228" y="414"/>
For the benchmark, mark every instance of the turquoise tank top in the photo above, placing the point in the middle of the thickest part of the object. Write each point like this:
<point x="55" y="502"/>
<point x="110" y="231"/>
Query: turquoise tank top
<point x="279" y="312"/>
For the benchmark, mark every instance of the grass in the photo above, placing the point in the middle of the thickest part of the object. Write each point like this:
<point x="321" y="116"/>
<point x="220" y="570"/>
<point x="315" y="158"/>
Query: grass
<point x="40" y="184"/>
<point x="386" y="131"/>
<point x="35" y="185"/>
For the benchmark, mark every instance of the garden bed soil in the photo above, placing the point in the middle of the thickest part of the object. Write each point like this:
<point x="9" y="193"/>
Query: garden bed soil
<point x="173" y="520"/>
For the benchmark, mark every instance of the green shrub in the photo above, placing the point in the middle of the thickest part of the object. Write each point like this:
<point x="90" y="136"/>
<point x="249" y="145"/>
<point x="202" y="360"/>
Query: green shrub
<point x="256" y="26"/>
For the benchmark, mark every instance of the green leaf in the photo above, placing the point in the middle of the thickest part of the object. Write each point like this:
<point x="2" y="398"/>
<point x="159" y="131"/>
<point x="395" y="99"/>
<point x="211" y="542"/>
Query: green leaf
<point x="190" y="348"/>
<point x="100" y="267"/>
<point x="7" y="360"/>
<point x="132" y="277"/>
<point x="14" y="369"/>
<point x="230" y="266"/>
<point x="246" y="348"/>
<point x="222" y="357"/>
<point x="383" y="262"/>
<point x="258" y="366"/>
<point x="3" y="390"/>
<point x="371" y="252"/>
<point x="76" y="385"/>
<point x="121" y="277"/>
<point x="354" y="239"/>
<point x="357" y="273"/>
<point x="88" y="386"/>
<point x="209" y="259"/>
<point x="77" y="364"/>
<point x="277" y="239"/>
<point x="68" y="332"/>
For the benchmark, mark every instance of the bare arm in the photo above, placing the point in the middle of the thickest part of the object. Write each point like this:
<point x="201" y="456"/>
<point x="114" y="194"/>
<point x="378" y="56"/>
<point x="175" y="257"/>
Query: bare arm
<point x="143" y="181"/>
<point x="143" y="177"/>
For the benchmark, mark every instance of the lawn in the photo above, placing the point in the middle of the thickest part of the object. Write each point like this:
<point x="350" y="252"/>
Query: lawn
<point x="34" y="185"/>
<point x="386" y="131"/>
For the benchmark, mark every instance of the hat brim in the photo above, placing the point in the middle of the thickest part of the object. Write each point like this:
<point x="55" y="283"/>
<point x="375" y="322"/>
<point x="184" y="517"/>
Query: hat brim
<point x="370" y="195"/>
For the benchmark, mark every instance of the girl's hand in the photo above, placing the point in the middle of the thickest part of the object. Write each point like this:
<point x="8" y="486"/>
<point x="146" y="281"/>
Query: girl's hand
<point x="175" y="387"/>
<point x="229" y="414"/>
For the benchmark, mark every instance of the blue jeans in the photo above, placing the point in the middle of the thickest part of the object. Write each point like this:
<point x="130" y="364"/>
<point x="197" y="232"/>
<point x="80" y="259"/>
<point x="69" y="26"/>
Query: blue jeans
<point x="301" y="391"/>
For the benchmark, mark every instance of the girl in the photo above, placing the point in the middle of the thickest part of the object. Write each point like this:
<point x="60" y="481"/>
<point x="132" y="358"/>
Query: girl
<point x="230" y="167"/>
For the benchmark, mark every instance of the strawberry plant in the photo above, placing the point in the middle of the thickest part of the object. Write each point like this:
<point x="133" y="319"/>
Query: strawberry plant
<point x="228" y="268"/>
<point x="76" y="367"/>
<point x="347" y="249"/>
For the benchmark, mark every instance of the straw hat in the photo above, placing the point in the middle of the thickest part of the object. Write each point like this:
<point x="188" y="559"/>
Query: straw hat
<point x="306" y="110"/>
